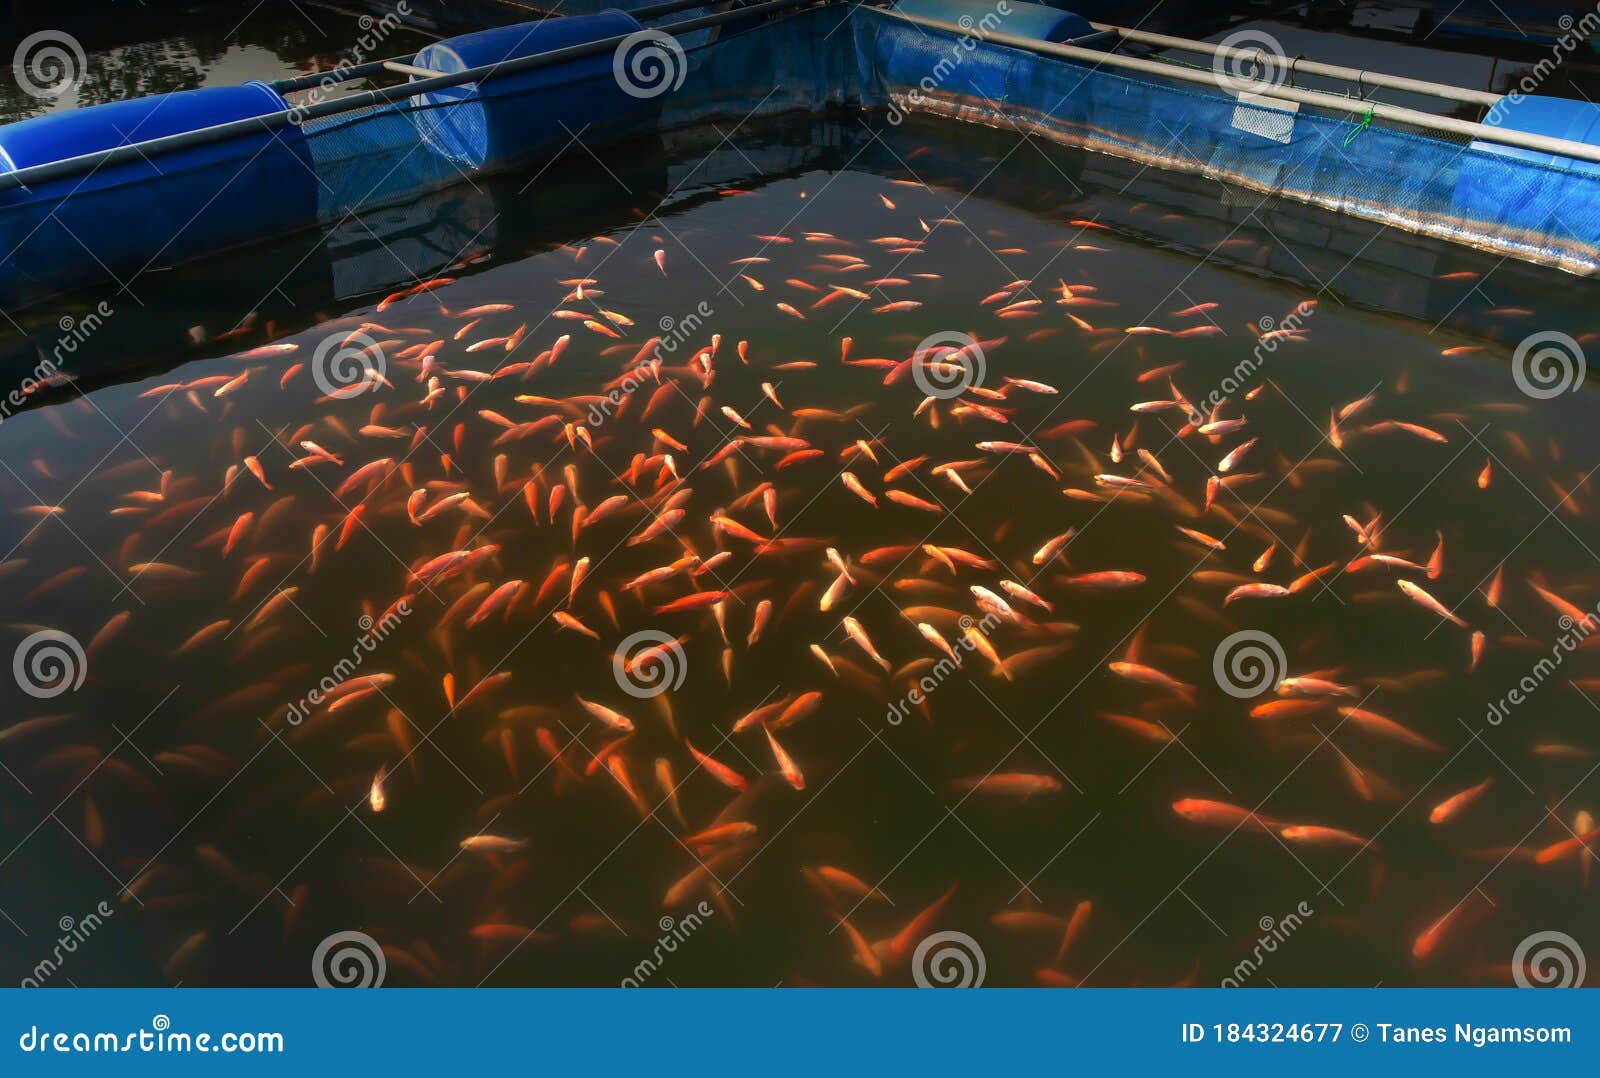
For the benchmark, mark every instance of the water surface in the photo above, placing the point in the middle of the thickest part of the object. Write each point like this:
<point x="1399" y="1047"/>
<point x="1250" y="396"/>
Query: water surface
<point x="232" y="839"/>
<point x="166" y="50"/>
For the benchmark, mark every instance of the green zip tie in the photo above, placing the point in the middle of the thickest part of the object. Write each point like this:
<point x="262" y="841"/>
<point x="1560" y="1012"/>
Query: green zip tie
<point x="1366" y="122"/>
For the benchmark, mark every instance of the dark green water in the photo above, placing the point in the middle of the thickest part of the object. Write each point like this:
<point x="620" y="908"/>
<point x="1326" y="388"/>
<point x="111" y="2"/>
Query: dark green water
<point x="252" y="839"/>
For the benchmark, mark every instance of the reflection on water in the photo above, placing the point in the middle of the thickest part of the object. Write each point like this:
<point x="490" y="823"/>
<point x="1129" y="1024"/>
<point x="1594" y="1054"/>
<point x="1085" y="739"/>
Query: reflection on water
<point x="162" y="51"/>
<point x="350" y="612"/>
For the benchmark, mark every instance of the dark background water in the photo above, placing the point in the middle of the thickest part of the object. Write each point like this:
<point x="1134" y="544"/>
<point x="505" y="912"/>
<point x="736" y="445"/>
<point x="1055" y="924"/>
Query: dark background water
<point x="186" y="46"/>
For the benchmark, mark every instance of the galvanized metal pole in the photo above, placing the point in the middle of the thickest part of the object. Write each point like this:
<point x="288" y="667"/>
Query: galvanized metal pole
<point x="1236" y="88"/>
<point x="1312" y="67"/>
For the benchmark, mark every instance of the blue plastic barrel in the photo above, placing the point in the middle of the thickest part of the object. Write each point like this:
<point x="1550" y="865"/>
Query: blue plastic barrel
<point x="512" y="117"/>
<point x="1557" y="117"/>
<point x="155" y="210"/>
<point x="928" y="68"/>
<point x="1016" y="18"/>
<point x="1496" y="185"/>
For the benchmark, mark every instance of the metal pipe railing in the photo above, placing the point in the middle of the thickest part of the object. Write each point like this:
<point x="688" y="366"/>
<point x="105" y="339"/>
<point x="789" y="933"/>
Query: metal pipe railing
<point x="405" y="68"/>
<point x="336" y="74"/>
<point x="255" y="125"/>
<point x="1311" y="67"/>
<point x="1234" y="87"/>
<point x="373" y="67"/>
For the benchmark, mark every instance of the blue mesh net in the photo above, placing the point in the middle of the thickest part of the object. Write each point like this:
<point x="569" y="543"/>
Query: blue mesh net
<point x="1468" y="193"/>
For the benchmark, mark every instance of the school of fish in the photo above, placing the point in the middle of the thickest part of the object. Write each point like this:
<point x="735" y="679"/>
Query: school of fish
<point x="526" y="480"/>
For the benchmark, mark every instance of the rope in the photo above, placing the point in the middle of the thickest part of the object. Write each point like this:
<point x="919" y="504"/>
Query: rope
<point x="1366" y="122"/>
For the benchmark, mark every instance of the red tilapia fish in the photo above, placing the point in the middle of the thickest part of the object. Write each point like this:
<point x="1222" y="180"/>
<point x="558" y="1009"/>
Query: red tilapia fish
<point x="570" y="617"/>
